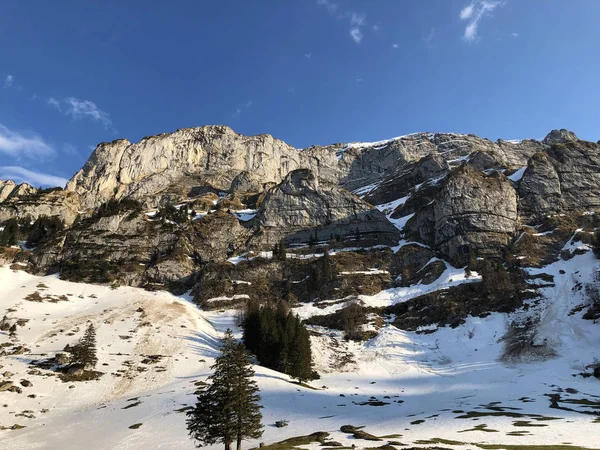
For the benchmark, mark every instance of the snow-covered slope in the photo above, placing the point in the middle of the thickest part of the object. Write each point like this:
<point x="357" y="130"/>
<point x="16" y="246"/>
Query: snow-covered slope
<point x="446" y="384"/>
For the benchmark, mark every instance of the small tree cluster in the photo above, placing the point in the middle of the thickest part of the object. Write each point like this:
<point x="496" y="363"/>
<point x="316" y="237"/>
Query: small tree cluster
<point x="596" y="243"/>
<point x="114" y="207"/>
<point x="279" y="340"/>
<point x="84" y="352"/>
<point x="43" y="228"/>
<point x="227" y="410"/>
<point x="279" y="251"/>
<point x="177" y="215"/>
<point x="495" y="277"/>
<point x="10" y="234"/>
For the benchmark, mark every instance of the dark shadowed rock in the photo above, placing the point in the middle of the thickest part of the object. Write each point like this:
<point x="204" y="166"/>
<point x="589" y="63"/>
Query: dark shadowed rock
<point x="301" y="209"/>
<point x="471" y="211"/>
<point x="405" y="177"/>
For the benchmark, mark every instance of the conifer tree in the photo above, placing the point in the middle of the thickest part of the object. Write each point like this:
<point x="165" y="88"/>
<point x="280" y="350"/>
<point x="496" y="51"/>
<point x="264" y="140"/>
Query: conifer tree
<point x="227" y="410"/>
<point x="301" y="356"/>
<point x="84" y="352"/>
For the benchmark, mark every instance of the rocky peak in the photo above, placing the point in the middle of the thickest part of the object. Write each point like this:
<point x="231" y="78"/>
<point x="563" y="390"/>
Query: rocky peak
<point x="559" y="137"/>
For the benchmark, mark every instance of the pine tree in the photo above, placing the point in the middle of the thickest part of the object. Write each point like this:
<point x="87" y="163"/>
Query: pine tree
<point x="280" y="251"/>
<point x="84" y="352"/>
<point x="227" y="410"/>
<point x="301" y="355"/>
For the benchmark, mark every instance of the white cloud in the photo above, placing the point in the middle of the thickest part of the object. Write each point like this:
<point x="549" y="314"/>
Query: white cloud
<point x="428" y="40"/>
<point x="240" y="108"/>
<point x="474" y="12"/>
<point x="514" y="34"/>
<point x="356" y="34"/>
<point x="467" y="12"/>
<point x="8" y="81"/>
<point x="331" y="7"/>
<point x="376" y="28"/>
<point x="17" y="144"/>
<point x="395" y="46"/>
<point x="53" y="102"/>
<point x="308" y="55"/>
<point x="357" y="19"/>
<point x="20" y="175"/>
<point x="80" y="109"/>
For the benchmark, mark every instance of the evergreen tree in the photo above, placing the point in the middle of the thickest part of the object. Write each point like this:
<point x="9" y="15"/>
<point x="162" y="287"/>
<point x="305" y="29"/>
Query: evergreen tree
<point x="301" y="356"/>
<point x="326" y="268"/>
<point x="227" y="410"/>
<point x="84" y="352"/>
<point x="280" y="251"/>
<point x="278" y="339"/>
<point x="10" y="233"/>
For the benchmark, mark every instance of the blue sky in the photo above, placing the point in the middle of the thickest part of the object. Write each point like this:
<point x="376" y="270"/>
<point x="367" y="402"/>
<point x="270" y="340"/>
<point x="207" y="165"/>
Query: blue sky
<point x="74" y="73"/>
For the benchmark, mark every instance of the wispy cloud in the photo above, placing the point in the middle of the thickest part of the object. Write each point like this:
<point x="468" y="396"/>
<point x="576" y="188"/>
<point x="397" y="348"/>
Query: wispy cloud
<point x="80" y="109"/>
<point x="16" y="144"/>
<point x="473" y="13"/>
<point x="20" y="175"/>
<point x="356" y="34"/>
<point x="395" y="46"/>
<point x="8" y="81"/>
<point x="515" y="35"/>
<point x="241" y="108"/>
<point x="70" y="149"/>
<point x="357" y="20"/>
<point x="308" y="55"/>
<point x="331" y="7"/>
<point x="428" y="40"/>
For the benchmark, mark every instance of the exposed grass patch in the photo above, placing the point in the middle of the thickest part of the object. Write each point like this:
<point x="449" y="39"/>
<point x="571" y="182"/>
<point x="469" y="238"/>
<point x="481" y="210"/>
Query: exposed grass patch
<point x="514" y="415"/>
<point x="527" y="423"/>
<point x="293" y="443"/>
<point x="519" y="433"/>
<point x="132" y="405"/>
<point x="87" y="375"/>
<point x="501" y="446"/>
<point x="135" y="426"/>
<point x="482" y="427"/>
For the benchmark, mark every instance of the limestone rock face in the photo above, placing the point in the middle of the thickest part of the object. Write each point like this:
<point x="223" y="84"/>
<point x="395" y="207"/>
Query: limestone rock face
<point x="405" y="177"/>
<point x="26" y="201"/>
<point x="246" y="182"/>
<point x="471" y="211"/>
<point x="566" y="178"/>
<point x="129" y="248"/>
<point x="213" y="154"/>
<point x="6" y="187"/>
<point x="171" y="165"/>
<point x="559" y="137"/>
<point x="303" y="208"/>
<point x="539" y="189"/>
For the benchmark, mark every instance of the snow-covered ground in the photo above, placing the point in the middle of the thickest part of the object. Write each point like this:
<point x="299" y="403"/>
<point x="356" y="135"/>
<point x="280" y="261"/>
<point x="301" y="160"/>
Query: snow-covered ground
<point x="448" y="384"/>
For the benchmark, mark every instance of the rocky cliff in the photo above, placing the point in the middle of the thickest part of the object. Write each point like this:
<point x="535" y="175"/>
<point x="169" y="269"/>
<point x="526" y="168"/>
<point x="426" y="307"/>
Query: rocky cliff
<point x="453" y="193"/>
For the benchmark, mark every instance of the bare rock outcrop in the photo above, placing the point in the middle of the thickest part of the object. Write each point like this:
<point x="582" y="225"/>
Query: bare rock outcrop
<point x="6" y="187"/>
<point x="565" y="178"/>
<point x="212" y="155"/>
<point x="407" y="176"/>
<point x="26" y="201"/>
<point x="472" y="211"/>
<point x="302" y="209"/>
